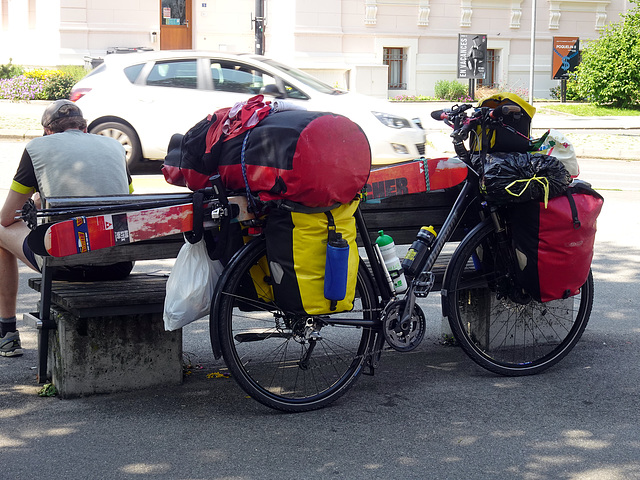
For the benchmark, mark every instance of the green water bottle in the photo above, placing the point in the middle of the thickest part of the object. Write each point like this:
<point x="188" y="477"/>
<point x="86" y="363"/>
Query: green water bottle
<point x="391" y="261"/>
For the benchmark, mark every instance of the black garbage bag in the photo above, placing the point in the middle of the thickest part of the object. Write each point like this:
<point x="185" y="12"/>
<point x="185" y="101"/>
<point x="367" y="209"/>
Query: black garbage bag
<point x="511" y="177"/>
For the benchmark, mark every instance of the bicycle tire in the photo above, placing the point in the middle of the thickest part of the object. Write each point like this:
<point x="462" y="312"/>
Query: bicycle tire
<point x="264" y="348"/>
<point x="501" y="335"/>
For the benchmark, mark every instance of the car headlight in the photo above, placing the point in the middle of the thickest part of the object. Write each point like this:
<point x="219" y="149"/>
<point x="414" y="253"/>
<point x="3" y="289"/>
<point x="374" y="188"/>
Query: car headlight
<point x="392" y="121"/>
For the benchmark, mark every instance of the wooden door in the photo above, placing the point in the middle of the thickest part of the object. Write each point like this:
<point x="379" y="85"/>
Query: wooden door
<point x="175" y="25"/>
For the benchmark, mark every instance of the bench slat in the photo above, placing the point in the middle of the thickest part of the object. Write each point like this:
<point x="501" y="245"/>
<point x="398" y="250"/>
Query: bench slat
<point x="402" y="216"/>
<point x="138" y="293"/>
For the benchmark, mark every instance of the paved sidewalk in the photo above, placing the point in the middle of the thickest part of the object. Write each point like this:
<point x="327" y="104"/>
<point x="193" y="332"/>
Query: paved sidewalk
<point x="593" y="137"/>
<point x="430" y="413"/>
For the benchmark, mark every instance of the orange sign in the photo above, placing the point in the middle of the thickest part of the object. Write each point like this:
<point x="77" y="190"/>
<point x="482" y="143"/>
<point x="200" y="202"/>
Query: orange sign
<point x="566" y="56"/>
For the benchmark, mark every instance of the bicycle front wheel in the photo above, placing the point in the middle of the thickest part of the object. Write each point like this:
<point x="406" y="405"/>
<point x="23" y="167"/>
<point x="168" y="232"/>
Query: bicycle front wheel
<point x="505" y="335"/>
<point x="289" y="362"/>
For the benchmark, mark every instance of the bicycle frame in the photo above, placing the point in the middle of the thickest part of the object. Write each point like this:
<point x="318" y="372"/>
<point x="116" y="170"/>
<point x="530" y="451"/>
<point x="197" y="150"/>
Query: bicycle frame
<point x="468" y="195"/>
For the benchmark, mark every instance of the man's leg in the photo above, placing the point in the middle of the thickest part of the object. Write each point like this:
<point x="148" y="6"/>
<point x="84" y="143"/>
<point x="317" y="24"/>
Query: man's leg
<point x="11" y="248"/>
<point x="8" y="283"/>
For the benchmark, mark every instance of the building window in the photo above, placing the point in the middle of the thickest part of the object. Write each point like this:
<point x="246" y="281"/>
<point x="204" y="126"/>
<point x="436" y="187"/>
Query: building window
<point x="490" y="70"/>
<point x="396" y="58"/>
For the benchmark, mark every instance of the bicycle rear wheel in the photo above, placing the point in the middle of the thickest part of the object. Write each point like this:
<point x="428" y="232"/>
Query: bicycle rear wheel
<point x="502" y="335"/>
<point x="288" y="362"/>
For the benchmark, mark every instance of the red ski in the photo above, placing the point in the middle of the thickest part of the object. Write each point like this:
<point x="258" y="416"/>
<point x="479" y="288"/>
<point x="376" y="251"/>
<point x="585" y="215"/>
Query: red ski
<point x="417" y="176"/>
<point x="87" y="233"/>
<point x="84" y="234"/>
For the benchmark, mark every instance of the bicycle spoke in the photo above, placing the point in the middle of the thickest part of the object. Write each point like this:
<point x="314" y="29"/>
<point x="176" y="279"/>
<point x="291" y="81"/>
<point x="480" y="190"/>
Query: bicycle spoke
<point x="287" y="361"/>
<point x="500" y="333"/>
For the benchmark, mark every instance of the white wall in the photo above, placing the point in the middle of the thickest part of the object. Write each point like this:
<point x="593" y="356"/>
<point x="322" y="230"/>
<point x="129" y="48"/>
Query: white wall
<point x="32" y="37"/>
<point x="221" y="28"/>
<point x="333" y="38"/>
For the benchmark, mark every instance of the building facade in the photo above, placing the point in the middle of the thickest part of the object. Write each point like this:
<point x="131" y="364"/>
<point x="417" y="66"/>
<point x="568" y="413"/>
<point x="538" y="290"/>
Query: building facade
<point x="378" y="47"/>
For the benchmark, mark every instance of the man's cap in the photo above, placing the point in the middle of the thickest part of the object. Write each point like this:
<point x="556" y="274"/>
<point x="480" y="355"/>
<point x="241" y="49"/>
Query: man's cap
<point x="60" y="109"/>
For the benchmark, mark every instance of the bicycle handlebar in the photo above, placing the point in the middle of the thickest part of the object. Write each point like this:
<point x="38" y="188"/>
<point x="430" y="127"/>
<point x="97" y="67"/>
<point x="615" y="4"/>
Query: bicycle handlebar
<point x="463" y="123"/>
<point x="461" y="120"/>
<point x="505" y="110"/>
<point x="441" y="114"/>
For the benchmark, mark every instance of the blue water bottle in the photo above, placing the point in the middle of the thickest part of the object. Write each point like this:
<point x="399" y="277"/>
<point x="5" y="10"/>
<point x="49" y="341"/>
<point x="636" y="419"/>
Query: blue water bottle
<point x="336" y="269"/>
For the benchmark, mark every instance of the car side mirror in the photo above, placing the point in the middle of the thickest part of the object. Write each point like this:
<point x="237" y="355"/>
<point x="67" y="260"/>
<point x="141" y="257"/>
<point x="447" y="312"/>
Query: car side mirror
<point x="272" y="90"/>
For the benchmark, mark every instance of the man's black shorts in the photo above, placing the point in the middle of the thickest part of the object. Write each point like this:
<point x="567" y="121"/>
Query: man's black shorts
<point x="82" y="273"/>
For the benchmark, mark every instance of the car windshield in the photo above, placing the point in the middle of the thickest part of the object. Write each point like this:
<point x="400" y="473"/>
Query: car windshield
<point x="304" y="78"/>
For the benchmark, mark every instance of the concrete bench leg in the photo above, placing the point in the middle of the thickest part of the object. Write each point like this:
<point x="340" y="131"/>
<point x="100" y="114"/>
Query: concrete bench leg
<point x="111" y="354"/>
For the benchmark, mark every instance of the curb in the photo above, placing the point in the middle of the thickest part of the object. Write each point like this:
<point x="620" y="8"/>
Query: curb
<point x="15" y="134"/>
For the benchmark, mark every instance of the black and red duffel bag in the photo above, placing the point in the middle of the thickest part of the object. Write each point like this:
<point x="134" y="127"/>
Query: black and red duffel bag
<point x="317" y="159"/>
<point x="554" y="245"/>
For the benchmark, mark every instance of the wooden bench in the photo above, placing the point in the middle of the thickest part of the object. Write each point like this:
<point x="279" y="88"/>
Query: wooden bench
<point x="402" y="216"/>
<point x="99" y="337"/>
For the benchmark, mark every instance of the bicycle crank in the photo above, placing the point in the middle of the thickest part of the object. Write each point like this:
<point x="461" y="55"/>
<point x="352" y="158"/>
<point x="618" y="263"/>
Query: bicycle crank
<point x="403" y="336"/>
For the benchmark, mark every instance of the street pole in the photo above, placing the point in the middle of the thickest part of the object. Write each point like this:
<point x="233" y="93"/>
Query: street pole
<point x="259" y="27"/>
<point x="533" y="50"/>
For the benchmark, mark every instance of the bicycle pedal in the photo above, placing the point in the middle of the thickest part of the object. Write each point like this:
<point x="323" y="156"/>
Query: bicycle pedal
<point x="423" y="284"/>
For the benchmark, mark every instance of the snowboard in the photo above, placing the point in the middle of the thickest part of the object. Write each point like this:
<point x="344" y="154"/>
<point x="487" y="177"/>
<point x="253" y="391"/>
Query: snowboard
<point x="87" y="233"/>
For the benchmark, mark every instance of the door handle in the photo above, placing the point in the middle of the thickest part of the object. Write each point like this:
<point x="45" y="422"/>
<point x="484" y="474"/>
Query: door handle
<point x="187" y="23"/>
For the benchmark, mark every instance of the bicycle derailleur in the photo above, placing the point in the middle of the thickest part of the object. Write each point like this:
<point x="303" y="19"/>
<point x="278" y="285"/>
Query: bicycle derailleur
<point x="407" y="335"/>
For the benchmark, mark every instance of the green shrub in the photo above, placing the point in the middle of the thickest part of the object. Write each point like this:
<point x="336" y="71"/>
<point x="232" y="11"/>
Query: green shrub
<point x="58" y="86"/>
<point x="573" y="93"/>
<point x="609" y="70"/>
<point x="77" y="72"/>
<point x="451" y="90"/>
<point x="9" y="70"/>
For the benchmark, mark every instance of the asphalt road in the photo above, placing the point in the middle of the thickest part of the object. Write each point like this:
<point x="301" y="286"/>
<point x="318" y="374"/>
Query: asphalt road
<point x="429" y="414"/>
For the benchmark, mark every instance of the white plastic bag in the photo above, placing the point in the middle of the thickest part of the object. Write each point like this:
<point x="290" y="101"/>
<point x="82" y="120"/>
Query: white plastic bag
<point x="190" y="286"/>
<point x="557" y="145"/>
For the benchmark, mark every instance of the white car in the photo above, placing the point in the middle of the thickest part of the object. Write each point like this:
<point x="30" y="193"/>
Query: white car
<point x="142" y="99"/>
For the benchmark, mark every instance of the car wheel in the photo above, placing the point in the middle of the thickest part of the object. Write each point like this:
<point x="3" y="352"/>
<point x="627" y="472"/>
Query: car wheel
<point x="127" y="138"/>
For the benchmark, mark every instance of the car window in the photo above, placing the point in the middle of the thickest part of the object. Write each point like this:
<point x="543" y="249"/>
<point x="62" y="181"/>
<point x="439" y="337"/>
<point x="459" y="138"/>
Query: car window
<point x="238" y="78"/>
<point x="305" y="78"/>
<point x="177" y="74"/>
<point x="293" y="92"/>
<point x="133" y="71"/>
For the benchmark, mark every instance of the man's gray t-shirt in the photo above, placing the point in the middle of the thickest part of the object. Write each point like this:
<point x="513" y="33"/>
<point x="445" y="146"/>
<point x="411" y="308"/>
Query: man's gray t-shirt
<point x="73" y="163"/>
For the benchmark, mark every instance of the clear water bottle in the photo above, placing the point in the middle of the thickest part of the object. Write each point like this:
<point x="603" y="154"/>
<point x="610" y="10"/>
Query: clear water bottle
<point x="336" y="270"/>
<point x="391" y="261"/>
<point x="417" y="253"/>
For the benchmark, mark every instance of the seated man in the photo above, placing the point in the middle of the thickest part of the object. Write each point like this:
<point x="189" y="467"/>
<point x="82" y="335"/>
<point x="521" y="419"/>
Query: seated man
<point x="67" y="161"/>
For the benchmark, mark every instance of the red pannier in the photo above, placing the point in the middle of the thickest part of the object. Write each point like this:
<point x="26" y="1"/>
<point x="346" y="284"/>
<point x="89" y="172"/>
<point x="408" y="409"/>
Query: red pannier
<point x="554" y="245"/>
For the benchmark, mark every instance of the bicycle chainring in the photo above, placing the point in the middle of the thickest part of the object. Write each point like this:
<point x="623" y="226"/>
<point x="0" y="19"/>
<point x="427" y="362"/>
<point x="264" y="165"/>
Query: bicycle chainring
<point x="403" y="336"/>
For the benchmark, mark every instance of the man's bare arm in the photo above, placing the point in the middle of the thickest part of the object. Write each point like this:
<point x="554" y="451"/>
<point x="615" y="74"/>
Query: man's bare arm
<point x="14" y="202"/>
